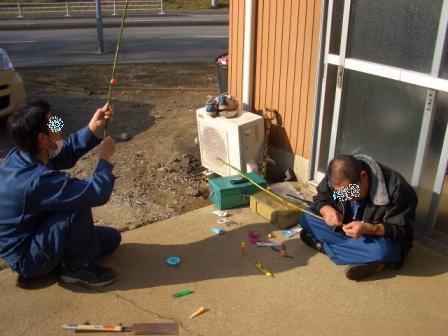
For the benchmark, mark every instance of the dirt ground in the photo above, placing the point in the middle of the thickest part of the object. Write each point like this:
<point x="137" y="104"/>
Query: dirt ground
<point x="157" y="160"/>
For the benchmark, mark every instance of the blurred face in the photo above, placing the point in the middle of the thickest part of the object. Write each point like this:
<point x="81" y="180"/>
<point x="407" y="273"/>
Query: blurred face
<point x="345" y="189"/>
<point x="48" y="140"/>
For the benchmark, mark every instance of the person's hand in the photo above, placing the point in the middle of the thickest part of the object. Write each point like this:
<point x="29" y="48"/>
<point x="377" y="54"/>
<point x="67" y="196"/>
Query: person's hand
<point x="107" y="149"/>
<point x="331" y="215"/>
<point x="354" y="229"/>
<point x="102" y="115"/>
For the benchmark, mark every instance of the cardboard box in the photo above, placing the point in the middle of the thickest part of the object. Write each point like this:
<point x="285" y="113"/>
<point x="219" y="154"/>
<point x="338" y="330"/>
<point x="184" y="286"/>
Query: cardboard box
<point x="278" y="213"/>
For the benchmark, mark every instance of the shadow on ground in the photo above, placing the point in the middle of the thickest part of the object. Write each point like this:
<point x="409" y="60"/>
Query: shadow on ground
<point x="420" y="262"/>
<point x="218" y="257"/>
<point x="143" y="265"/>
<point x="132" y="118"/>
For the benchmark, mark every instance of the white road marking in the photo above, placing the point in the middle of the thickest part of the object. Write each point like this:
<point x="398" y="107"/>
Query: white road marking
<point x="16" y="42"/>
<point x="173" y="20"/>
<point x="192" y="37"/>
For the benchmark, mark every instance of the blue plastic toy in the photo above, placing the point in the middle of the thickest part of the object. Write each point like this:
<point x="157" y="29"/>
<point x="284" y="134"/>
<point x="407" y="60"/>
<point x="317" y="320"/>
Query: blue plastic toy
<point x="173" y="261"/>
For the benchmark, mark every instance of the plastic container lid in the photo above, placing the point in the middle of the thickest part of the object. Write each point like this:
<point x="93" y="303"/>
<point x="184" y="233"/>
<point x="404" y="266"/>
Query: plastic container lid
<point x="173" y="261"/>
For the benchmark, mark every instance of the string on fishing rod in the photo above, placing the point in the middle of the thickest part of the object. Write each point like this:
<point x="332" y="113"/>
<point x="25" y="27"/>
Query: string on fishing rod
<point x="270" y="192"/>
<point x="113" y="80"/>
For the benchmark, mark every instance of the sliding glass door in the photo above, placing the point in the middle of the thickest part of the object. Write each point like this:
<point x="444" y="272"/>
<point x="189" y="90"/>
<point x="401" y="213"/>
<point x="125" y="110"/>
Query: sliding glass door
<point x="384" y="91"/>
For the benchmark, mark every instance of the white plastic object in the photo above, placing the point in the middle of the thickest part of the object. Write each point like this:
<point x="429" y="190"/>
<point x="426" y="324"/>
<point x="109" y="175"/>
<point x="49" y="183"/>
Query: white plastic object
<point x="237" y="141"/>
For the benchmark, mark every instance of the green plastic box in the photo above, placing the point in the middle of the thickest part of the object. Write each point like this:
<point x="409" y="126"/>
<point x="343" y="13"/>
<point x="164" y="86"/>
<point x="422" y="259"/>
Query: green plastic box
<point x="226" y="195"/>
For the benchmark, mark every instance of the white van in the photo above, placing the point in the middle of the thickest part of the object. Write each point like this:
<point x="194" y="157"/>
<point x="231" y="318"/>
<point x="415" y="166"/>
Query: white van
<point x="12" y="91"/>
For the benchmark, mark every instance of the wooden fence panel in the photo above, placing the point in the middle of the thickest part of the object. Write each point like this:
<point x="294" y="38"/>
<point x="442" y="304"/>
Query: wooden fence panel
<point x="285" y="65"/>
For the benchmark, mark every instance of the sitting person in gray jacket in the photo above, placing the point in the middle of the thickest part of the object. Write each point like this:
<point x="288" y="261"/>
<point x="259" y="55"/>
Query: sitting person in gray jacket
<point x="368" y="211"/>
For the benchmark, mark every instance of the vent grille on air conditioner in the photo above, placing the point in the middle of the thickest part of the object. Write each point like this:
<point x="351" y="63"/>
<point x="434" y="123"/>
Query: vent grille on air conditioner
<point x="237" y="141"/>
<point x="214" y="145"/>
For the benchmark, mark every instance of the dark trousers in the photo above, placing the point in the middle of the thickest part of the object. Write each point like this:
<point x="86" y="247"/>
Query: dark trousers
<point x="343" y="250"/>
<point x="68" y="238"/>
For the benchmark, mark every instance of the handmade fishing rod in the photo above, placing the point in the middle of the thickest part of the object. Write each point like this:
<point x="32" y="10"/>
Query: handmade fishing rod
<point x="113" y="80"/>
<point x="270" y="192"/>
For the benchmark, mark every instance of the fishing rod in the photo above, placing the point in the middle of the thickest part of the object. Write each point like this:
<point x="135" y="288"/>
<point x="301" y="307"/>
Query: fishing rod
<point x="113" y="80"/>
<point x="270" y="192"/>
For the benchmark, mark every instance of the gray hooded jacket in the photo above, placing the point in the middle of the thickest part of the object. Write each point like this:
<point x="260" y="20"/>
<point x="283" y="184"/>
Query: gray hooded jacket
<point x="392" y="202"/>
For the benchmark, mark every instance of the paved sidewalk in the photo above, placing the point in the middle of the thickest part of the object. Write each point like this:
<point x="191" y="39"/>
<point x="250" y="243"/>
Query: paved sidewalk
<point x="308" y="296"/>
<point x="183" y="18"/>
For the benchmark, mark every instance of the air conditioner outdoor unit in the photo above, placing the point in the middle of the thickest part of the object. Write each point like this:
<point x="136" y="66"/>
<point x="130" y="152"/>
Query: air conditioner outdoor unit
<point x="238" y="141"/>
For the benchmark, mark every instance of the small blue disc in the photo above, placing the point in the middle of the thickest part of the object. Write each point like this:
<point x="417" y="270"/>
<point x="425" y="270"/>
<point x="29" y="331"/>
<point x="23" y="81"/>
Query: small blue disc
<point x="173" y="261"/>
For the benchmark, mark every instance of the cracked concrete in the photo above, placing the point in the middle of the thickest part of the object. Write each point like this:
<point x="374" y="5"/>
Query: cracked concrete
<point x="308" y="296"/>
<point x="168" y="318"/>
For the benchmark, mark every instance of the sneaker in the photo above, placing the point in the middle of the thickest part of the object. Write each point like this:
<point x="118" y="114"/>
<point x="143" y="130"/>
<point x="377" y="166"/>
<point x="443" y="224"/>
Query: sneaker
<point x="312" y="242"/>
<point x="362" y="271"/>
<point x="91" y="275"/>
<point x="211" y="106"/>
<point x="227" y="102"/>
<point x="222" y="103"/>
<point x="232" y="103"/>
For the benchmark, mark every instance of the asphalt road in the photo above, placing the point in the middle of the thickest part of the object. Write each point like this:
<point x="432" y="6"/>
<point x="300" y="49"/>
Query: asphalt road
<point x="28" y="48"/>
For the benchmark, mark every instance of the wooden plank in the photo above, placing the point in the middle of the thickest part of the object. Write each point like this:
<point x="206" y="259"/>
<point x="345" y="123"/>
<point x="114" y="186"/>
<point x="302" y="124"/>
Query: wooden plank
<point x="239" y="84"/>
<point x="258" y="57"/>
<point x="229" y="72"/>
<point x="313" y="80"/>
<point x="304" y="91"/>
<point x="235" y="54"/>
<point x="264" y="52"/>
<point x="235" y="45"/>
<point x="292" y="64"/>
<point x="295" y="120"/>
<point x="270" y="50"/>
<point x="284" y="64"/>
<point x="277" y="132"/>
<point x="277" y="52"/>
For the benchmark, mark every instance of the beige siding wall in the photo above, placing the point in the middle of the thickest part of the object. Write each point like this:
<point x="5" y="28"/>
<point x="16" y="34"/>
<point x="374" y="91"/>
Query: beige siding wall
<point x="285" y="66"/>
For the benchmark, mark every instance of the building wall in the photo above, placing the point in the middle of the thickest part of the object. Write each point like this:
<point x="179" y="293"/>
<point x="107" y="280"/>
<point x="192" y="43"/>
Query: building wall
<point x="236" y="46"/>
<point x="285" y="66"/>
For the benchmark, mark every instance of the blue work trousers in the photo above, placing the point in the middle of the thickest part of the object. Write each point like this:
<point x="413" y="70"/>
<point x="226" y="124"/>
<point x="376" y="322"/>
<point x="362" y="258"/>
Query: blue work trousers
<point x="70" y="238"/>
<point x="343" y="250"/>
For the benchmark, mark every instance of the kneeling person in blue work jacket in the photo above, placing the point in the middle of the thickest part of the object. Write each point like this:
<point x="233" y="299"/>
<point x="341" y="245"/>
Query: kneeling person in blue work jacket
<point x="45" y="216"/>
<point x="368" y="212"/>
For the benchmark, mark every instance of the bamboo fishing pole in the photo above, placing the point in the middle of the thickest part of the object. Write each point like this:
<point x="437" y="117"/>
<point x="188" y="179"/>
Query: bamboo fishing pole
<point x="270" y="192"/>
<point x="113" y="80"/>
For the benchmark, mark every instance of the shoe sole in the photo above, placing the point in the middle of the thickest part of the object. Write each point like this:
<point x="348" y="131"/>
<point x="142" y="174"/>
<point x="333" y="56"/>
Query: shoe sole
<point x="70" y="280"/>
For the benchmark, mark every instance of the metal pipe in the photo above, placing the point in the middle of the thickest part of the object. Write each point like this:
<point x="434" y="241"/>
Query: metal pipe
<point x="161" y="8"/>
<point x="115" y="9"/>
<point x="249" y="27"/>
<point x="99" y="26"/>
<point x="66" y="9"/>
<point x="20" y="10"/>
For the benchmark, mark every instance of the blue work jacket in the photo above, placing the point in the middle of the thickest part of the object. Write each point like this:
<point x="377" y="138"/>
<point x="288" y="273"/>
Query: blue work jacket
<point x="30" y="190"/>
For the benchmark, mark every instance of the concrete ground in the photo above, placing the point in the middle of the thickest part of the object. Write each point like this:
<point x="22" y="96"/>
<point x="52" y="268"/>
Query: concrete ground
<point x="309" y="295"/>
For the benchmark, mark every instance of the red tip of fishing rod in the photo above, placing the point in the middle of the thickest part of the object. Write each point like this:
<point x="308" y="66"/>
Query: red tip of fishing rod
<point x="113" y="81"/>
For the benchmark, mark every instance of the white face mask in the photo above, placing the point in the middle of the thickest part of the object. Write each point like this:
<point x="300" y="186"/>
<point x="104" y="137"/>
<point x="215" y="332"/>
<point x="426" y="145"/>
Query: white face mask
<point x="52" y="153"/>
